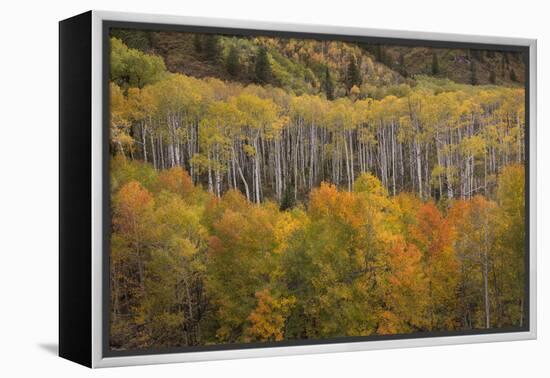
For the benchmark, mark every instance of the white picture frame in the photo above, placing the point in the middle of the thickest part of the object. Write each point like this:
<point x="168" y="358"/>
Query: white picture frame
<point x="99" y="360"/>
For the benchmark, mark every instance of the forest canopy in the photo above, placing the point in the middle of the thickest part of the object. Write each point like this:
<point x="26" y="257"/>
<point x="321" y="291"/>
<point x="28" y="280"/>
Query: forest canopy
<point x="247" y="209"/>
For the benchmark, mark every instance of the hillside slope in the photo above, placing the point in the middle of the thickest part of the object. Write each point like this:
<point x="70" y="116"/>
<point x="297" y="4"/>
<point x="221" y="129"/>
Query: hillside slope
<point x="334" y="68"/>
<point x="458" y="65"/>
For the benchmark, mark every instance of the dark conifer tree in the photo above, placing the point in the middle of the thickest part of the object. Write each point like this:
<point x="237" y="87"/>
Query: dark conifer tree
<point x="263" y="66"/>
<point x="287" y="202"/>
<point x="136" y="39"/>
<point x="328" y="85"/>
<point x="353" y="74"/>
<point x="212" y="47"/>
<point x="435" y="64"/>
<point x="402" y="67"/>
<point x="473" y="73"/>
<point x="197" y="43"/>
<point x="232" y="62"/>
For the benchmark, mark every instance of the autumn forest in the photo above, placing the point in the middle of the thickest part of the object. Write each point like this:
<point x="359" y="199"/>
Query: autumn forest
<point x="267" y="189"/>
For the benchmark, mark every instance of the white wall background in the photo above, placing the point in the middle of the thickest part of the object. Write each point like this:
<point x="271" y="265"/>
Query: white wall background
<point x="28" y="185"/>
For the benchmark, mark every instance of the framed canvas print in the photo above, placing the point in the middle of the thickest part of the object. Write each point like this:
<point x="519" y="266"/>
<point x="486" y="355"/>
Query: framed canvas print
<point x="241" y="189"/>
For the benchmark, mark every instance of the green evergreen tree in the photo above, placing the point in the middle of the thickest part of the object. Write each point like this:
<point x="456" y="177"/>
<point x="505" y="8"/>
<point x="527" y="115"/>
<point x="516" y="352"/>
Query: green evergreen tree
<point x="263" y="66"/>
<point x="197" y="43"/>
<point x="402" y="65"/>
<point x="473" y="73"/>
<point x="287" y="202"/>
<point x="353" y="74"/>
<point x="135" y="39"/>
<point x="328" y="85"/>
<point x="435" y="64"/>
<point x="232" y="62"/>
<point x="212" y="47"/>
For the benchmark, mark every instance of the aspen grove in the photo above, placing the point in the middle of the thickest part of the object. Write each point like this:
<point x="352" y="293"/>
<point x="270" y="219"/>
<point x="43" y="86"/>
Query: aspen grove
<point x="244" y="212"/>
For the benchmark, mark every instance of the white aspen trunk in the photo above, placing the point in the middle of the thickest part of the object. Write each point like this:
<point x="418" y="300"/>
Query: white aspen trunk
<point x="161" y="153"/>
<point x="190" y="150"/>
<point x="393" y="155"/>
<point x="472" y="171"/>
<point x="347" y="162"/>
<point x="171" y="153"/>
<point x="257" y="169"/>
<point x="296" y="169"/>
<point x="144" y="140"/>
<point x="519" y="140"/>
<point x="485" y="282"/>
<point x="351" y="162"/>
<point x="233" y="170"/>
<point x="368" y="157"/>
<point x="277" y="169"/>
<point x="218" y="182"/>
<point x="438" y="154"/>
<point x="402" y="165"/>
<point x="383" y="155"/>
<point x="210" y="182"/>
<point x="334" y="162"/>
<point x="418" y="167"/>
<point x="121" y="149"/>
<point x="177" y="153"/>
<point x="303" y="160"/>
<point x="229" y="175"/>
<point x="360" y="156"/>
<point x="176" y="142"/>
<point x="218" y="175"/>
<point x="485" y="174"/>
<point x="247" y="191"/>
<point x="153" y="153"/>
<point x="427" y="186"/>
<point x="312" y="156"/>
<point x="412" y="166"/>
<point x="448" y="165"/>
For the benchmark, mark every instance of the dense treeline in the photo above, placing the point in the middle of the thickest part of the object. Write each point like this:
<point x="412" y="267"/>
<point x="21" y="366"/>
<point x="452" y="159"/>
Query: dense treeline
<point x="439" y="140"/>
<point x="189" y="268"/>
<point x="309" y="66"/>
<point x="300" y="66"/>
<point x="246" y="213"/>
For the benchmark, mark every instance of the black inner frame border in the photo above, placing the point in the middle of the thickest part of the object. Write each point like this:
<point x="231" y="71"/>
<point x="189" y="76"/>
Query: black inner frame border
<point x="107" y="25"/>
